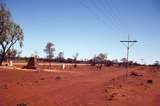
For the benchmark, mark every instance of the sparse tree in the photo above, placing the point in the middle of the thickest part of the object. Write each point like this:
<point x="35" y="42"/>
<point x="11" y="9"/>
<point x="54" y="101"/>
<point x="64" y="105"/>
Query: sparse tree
<point x="19" y="54"/>
<point x="124" y="60"/>
<point x="10" y="32"/>
<point x="11" y="53"/>
<point x="36" y="54"/>
<point x="156" y="63"/>
<point x="49" y="50"/>
<point x="75" y="59"/>
<point x="93" y="61"/>
<point x="75" y="56"/>
<point x="60" y="57"/>
<point x="102" y="57"/>
<point x="115" y="61"/>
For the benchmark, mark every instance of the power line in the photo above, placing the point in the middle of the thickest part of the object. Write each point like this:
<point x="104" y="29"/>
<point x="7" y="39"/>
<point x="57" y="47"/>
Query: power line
<point x="99" y="12"/>
<point x="106" y="13"/>
<point x="92" y="12"/>
<point x="105" y="10"/>
<point x="112" y="13"/>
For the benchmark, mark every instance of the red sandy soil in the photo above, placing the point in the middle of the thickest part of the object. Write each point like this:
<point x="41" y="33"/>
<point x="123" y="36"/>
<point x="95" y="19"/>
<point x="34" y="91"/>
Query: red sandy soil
<point x="83" y="86"/>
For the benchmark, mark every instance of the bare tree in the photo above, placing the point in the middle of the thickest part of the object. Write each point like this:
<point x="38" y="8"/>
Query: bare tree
<point x="75" y="59"/>
<point x="49" y="50"/>
<point x="10" y="32"/>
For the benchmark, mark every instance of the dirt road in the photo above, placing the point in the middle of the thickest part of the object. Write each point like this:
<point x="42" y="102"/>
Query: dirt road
<point x="81" y="88"/>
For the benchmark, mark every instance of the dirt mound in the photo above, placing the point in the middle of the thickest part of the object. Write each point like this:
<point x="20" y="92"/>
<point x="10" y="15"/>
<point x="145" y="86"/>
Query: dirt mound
<point x="32" y="63"/>
<point x="135" y="74"/>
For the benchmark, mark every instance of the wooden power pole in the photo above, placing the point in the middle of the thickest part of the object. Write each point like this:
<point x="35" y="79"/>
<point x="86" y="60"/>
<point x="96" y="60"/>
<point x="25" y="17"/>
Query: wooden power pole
<point x="128" y="44"/>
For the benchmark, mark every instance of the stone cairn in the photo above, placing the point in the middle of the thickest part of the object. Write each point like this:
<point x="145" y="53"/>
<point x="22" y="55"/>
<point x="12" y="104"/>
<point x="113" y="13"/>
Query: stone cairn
<point x="32" y="63"/>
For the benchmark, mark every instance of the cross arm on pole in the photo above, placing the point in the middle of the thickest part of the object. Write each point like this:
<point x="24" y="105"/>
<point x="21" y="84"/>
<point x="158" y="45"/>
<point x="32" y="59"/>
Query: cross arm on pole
<point x="130" y="41"/>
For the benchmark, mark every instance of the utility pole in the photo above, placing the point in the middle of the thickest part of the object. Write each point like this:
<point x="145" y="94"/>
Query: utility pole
<point x="128" y="44"/>
<point x="142" y="62"/>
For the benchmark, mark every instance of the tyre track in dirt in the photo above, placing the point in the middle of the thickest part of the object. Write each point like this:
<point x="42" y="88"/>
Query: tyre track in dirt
<point x="83" y="92"/>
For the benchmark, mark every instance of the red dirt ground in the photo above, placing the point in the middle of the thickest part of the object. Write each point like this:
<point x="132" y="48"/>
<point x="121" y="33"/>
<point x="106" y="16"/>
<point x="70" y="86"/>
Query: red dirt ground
<point x="83" y="86"/>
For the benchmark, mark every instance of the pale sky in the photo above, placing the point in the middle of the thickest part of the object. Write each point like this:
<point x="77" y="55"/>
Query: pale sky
<point x="89" y="27"/>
